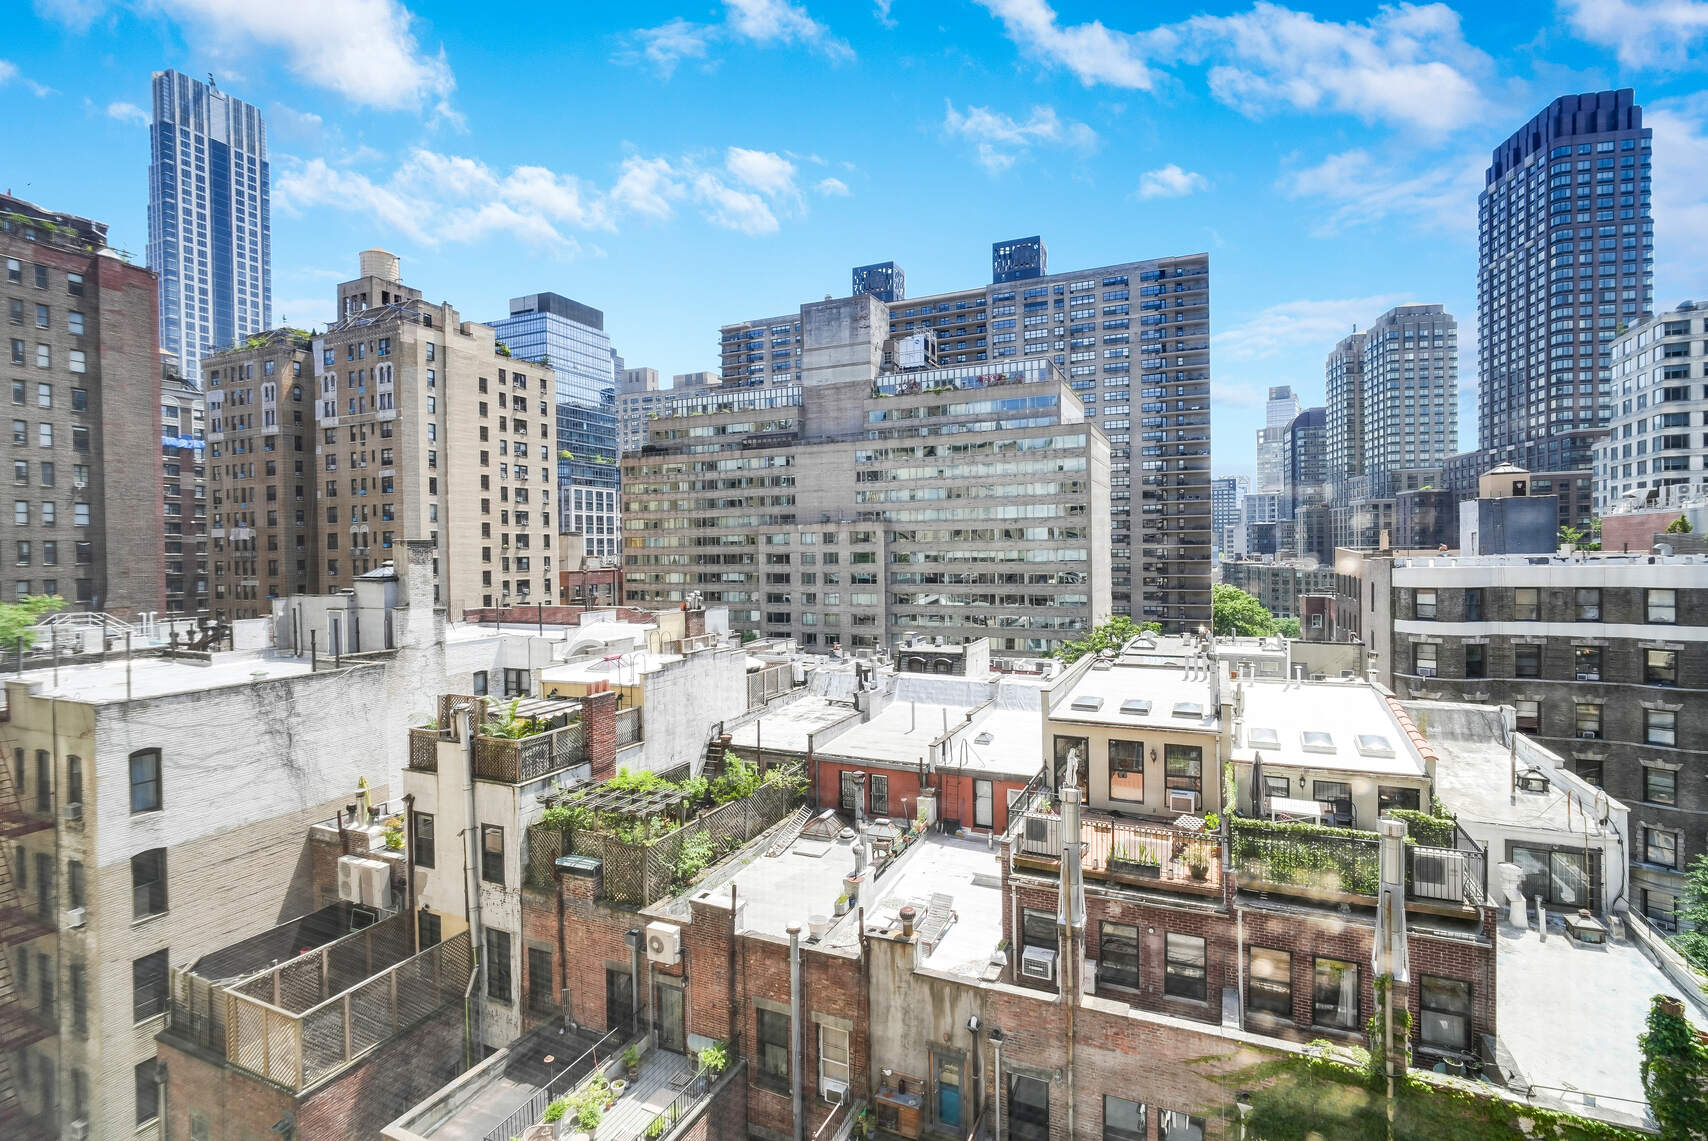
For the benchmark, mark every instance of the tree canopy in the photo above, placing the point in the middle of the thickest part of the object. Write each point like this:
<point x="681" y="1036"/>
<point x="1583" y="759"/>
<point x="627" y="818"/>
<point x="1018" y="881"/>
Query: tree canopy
<point x="1234" y="612"/>
<point x="1692" y="943"/>
<point x="18" y="618"/>
<point x="1110" y="635"/>
<point x="1679" y="526"/>
<point x="1675" y="1072"/>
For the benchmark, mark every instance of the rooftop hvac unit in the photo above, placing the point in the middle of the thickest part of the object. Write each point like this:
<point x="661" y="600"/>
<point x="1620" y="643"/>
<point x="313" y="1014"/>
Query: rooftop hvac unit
<point x="664" y="943"/>
<point x="364" y="881"/>
<point x="1039" y="963"/>
<point x="1438" y="873"/>
<point x="1182" y="800"/>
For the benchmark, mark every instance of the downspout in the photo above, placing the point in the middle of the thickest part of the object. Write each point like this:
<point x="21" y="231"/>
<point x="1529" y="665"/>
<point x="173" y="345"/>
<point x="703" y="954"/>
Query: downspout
<point x="409" y="863"/>
<point x="471" y="877"/>
<point x="996" y="1045"/>
<point x="562" y="951"/>
<point x="795" y="1099"/>
<point x="865" y="1000"/>
<point x="734" y="1016"/>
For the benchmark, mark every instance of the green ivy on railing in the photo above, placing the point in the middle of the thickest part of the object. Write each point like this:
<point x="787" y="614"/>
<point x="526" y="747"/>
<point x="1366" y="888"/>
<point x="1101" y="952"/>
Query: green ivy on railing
<point x="1433" y="831"/>
<point x="1307" y="855"/>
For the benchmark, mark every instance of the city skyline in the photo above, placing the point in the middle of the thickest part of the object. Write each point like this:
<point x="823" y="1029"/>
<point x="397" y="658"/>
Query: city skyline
<point x="673" y="169"/>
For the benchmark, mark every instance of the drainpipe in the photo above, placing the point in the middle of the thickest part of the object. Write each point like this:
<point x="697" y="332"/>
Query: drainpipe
<point x="471" y="877"/>
<point x="795" y="1031"/>
<point x="1071" y="916"/>
<point x="996" y="1040"/>
<point x="409" y="864"/>
<point x="634" y="940"/>
<point x="562" y="952"/>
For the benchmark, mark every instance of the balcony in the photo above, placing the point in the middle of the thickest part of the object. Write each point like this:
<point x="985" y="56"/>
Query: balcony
<point x="515" y="742"/>
<point x="1338" y="865"/>
<point x="1146" y="855"/>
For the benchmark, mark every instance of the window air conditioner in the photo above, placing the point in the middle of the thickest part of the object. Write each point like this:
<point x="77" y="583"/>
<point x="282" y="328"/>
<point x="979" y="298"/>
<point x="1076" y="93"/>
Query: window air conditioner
<point x="1425" y="671"/>
<point x="1039" y="963"/>
<point x="78" y="1130"/>
<point x="1181" y="800"/>
<point x="72" y="812"/>
<point x="74" y="917"/>
<point x="835" y="1090"/>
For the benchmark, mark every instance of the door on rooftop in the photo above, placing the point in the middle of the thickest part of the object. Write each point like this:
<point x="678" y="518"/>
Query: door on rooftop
<point x="982" y="804"/>
<point x="946" y="1082"/>
<point x="619" y="997"/>
<point x="671" y="1031"/>
<point x="878" y="785"/>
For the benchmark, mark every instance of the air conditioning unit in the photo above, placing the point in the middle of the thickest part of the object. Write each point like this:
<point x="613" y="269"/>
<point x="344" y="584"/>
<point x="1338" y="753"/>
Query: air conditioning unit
<point x="1425" y="671"/>
<point x="74" y="917"/>
<point x="835" y="1090"/>
<point x="365" y="881"/>
<point x="78" y="1130"/>
<point x="1182" y="800"/>
<point x="1088" y="977"/>
<point x="1039" y="963"/>
<point x="1438" y="874"/>
<point x="1588" y="676"/>
<point x="1589" y="734"/>
<point x="664" y="943"/>
<point x="72" y="812"/>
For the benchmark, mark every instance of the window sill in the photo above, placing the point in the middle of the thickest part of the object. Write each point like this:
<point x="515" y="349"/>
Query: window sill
<point x="778" y="1086"/>
<point x="142" y="919"/>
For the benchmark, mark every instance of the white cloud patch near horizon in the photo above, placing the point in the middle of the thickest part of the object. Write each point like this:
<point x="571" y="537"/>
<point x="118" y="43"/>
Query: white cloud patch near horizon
<point x="1000" y="139"/>
<point x="763" y="23"/>
<point x="1300" y="324"/>
<point x="1171" y="182"/>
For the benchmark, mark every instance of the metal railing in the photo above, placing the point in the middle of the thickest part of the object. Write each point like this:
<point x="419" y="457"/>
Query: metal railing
<point x="564" y="1081"/>
<point x="1124" y="848"/>
<point x="704" y="1084"/>
<point x="1330" y="864"/>
<point x="628" y="726"/>
<point x="528" y="759"/>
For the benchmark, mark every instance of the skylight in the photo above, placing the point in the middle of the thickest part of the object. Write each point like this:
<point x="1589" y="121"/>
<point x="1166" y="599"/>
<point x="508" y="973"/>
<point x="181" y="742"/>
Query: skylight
<point x="984" y="738"/>
<point x="1088" y="704"/>
<point x="1374" y="745"/>
<point x="1135" y="707"/>
<point x="1188" y="709"/>
<point x="1263" y="738"/>
<point x="1316" y="741"/>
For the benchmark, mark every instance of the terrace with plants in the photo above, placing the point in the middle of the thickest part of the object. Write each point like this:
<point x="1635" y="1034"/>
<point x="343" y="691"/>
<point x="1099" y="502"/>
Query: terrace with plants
<point x="515" y="742"/>
<point x="655" y="836"/>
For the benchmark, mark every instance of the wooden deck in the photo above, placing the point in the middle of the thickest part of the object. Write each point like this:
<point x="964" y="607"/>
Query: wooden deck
<point x="1116" y="849"/>
<point x="664" y="1078"/>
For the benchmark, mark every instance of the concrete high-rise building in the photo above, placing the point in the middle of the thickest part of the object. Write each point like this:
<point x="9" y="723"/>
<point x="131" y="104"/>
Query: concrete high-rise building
<point x="1227" y="507"/>
<point x="884" y="280"/>
<point x="1565" y="260"/>
<point x="87" y="484"/>
<point x="1657" y="437"/>
<point x="864" y="504"/>
<point x="570" y="338"/>
<point x="641" y="394"/>
<point x="183" y="474"/>
<point x="209" y="218"/>
<point x="1100" y="326"/>
<point x="1343" y="385"/>
<point x="1410" y="395"/>
<point x="1278" y="412"/>
<point x="1304" y="443"/>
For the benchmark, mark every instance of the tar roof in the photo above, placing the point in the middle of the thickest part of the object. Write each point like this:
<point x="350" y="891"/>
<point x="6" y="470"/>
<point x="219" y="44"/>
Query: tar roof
<point x="1179" y="697"/>
<point x="1348" y="726"/>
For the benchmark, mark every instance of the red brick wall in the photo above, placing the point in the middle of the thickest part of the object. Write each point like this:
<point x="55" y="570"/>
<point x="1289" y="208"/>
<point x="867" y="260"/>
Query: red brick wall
<point x="955" y="792"/>
<point x="599" y="732"/>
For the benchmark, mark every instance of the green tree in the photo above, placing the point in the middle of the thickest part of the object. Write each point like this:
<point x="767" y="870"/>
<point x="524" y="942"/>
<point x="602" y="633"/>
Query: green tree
<point x="1111" y="635"/>
<point x="17" y="619"/>
<point x="1675" y="1072"/>
<point x="1693" y="943"/>
<point x="1287" y="627"/>
<point x="1233" y="611"/>
<point x="1679" y="526"/>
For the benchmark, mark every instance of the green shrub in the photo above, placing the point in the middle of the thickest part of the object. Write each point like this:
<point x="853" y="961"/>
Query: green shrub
<point x="1434" y="831"/>
<point x="696" y="854"/>
<point x="555" y="1111"/>
<point x="714" y="1058"/>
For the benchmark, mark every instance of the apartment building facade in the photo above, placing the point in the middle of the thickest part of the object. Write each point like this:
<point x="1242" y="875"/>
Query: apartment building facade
<point x="1133" y="340"/>
<point x="259" y="458"/>
<point x="84" y="368"/>
<point x="184" y="480"/>
<point x="1604" y="658"/>
<point x="978" y="507"/>
<point x="1410" y="404"/>
<point x="1343" y="417"/>
<point x="1660" y="394"/>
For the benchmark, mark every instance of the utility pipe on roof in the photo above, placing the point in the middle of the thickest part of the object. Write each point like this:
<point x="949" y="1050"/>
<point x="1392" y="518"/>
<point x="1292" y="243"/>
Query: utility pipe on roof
<point x="795" y="1098"/>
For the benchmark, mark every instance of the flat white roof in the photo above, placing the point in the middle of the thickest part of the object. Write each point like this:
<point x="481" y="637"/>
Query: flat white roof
<point x="970" y="874"/>
<point x="1167" y="688"/>
<point x="99" y="683"/>
<point x="902" y="734"/>
<point x="786" y="727"/>
<point x="1352" y="728"/>
<point x="618" y="669"/>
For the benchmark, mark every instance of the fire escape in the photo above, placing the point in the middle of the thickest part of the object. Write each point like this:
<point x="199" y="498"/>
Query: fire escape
<point x="19" y="1024"/>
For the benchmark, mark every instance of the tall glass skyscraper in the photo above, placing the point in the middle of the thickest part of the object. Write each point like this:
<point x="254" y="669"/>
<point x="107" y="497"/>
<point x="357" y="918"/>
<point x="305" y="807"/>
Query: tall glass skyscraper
<point x="570" y="337"/>
<point x="209" y="218"/>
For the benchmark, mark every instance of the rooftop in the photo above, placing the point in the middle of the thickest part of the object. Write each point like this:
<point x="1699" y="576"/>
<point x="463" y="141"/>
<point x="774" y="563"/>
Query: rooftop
<point x="804" y="881"/>
<point x="1163" y="696"/>
<point x="994" y="740"/>
<point x="101" y="683"/>
<point x="786" y="726"/>
<point x="969" y="874"/>
<point x="1349" y="726"/>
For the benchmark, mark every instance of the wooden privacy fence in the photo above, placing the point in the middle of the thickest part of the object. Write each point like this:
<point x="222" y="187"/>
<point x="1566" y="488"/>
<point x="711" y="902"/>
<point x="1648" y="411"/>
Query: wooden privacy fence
<point x="638" y="874"/>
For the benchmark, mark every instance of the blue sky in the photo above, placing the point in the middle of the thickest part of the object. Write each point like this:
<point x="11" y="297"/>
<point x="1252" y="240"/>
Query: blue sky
<point x="681" y="166"/>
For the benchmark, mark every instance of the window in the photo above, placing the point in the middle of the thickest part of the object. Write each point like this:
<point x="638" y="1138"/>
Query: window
<point x="1334" y="994"/>
<point x="1173" y="1125"/>
<point x="1269" y="982"/>
<point x="148" y="986"/>
<point x="1662" y="606"/>
<point x="515" y="682"/>
<point x="145" y="781"/>
<point x="423" y="853"/>
<point x="1589" y="721"/>
<point x="1660" y="667"/>
<point x="1183" y="766"/>
<point x="1526" y="604"/>
<point x="1423" y="603"/>
<point x="1660" y="847"/>
<point x="1446" y="1008"/>
<point x="74" y="779"/>
<point x="492" y="853"/>
<point x="1474" y="659"/>
<point x="148" y="883"/>
<point x="541" y="992"/>
<point x="1423" y="656"/>
<point x="1587" y="662"/>
<point x="1526" y="661"/>
<point x="1123" y="1120"/>
<point x="1118" y="955"/>
<point x="1184" y="973"/>
<point x="832" y="1058"/>
<point x="1529" y="715"/>
<point x="1037" y="929"/>
<point x="497" y="964"/>
<point x="1660" y="786"/>
<point x="1589" y="604"/>
<point x="1028" y="1108"/>
<point x="773" y="1039"/>
<point x="1660" y="727"/>
<point x="479" y="683"/>
<point x="77" y="981"/>
<point x="1126" y="770"/>
<point x="147" y="1092"/>
<point x="428" y="926"/>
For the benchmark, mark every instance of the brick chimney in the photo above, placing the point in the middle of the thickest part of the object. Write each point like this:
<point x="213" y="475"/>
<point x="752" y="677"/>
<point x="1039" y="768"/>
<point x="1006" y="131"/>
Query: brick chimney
<point x="599" y="732"/>
<point x="693" y="619"/>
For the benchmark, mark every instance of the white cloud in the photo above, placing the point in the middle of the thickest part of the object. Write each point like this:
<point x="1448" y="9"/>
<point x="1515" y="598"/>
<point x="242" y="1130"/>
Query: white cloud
<point x="1001" y="138"/>
<point x="127" y="113"/>
<point x="1091" y="51"/>
<point x="1643" y="33"/>
<point x="1170" y="182"/>
<point x="303" y="312"/>
<point x="1408" y="64"/>
<point x="1300" y="324"/>
<point x="766" y="23"/>
<point x="435" y="198"/>
<point x="832" y="188"/>
<point x="1681" y="195"/>
<point x="364" y="50"/>
<point x="881" y="9"/>
<point x="9" y="73"/>
<point x="1359" y="189"/>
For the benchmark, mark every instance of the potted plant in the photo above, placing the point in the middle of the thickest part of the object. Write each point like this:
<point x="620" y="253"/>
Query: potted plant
<point x="587" y="1117"/>
<point x="842" y="904"/>
<point x="1198" y="861"/>
<point x="631" y="1062"/>
<point x="618" y="1085"/>
<point x="1136" y="862"/>
<point x="714" y="1058"/>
